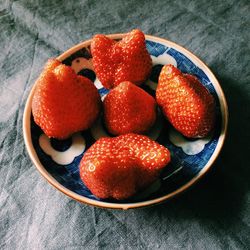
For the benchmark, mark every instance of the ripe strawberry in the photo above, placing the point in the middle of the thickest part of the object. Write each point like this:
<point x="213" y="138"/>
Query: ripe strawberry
<point x="125" y="60"/>
<point x="118" y="167"/>
<point x="186" y="103"/>
<point x="128" y="108"/>
<point x="63" y="102"/>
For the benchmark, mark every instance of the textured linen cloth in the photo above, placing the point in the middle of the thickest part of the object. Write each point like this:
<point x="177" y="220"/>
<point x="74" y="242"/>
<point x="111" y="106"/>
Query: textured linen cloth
<point x="214" y="214"/>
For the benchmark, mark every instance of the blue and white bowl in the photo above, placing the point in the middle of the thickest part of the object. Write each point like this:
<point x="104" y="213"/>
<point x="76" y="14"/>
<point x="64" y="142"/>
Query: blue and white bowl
<point x="58" y="161"/>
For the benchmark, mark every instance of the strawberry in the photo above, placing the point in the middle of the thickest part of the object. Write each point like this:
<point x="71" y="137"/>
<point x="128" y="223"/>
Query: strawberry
<point x="120" y="166"/>
<point x="186" y="103"/>
<point x="125" y="60"/>
<point x="128" y="108"/>
<point x="63" y="102"/>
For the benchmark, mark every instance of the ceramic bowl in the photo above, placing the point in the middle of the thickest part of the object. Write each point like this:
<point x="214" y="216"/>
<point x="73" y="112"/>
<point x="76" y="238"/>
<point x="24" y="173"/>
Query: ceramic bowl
<point x="58" y="161"/>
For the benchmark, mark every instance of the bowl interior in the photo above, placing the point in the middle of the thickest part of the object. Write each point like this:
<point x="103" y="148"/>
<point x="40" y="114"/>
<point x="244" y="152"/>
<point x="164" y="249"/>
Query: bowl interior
<point x="58" y="161"/>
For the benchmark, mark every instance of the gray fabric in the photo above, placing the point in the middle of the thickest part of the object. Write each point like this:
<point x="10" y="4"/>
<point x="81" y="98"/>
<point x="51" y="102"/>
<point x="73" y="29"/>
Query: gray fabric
<point x="213" y="215"/>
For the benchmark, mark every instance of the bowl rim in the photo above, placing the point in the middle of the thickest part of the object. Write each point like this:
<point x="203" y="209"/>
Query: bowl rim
<point x="224" y="112"/>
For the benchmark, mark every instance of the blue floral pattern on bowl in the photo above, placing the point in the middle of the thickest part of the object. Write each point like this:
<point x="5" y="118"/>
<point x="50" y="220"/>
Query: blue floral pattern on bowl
<point x="61" y="159"/>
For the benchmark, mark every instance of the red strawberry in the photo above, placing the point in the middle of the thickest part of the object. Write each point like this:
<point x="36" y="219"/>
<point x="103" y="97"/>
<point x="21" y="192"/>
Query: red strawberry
<point x="63" y="102"/>
<point x="186" y="103"/>
<point x="118" y="167"/>
<point x="125" y="60"/>
<point x="128" y="108"/>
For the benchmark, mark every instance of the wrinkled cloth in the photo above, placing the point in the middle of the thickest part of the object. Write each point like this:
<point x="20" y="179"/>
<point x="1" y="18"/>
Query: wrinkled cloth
<point x="214" y="214"/>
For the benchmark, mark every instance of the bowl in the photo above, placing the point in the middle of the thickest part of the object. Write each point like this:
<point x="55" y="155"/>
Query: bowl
<point x="58" y="161"/>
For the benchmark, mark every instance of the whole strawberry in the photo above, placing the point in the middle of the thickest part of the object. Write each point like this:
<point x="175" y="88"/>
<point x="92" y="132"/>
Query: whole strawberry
<point x="118" y="167"/>
<point x="186" y="103"/>
<point x="128" y="108"/>
<point x="125" y="60"/>
<point x="63" y="102"/>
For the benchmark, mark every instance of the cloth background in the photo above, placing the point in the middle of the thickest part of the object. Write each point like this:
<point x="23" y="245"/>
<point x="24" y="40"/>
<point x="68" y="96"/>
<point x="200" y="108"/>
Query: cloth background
<point x="214" y="214"/>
